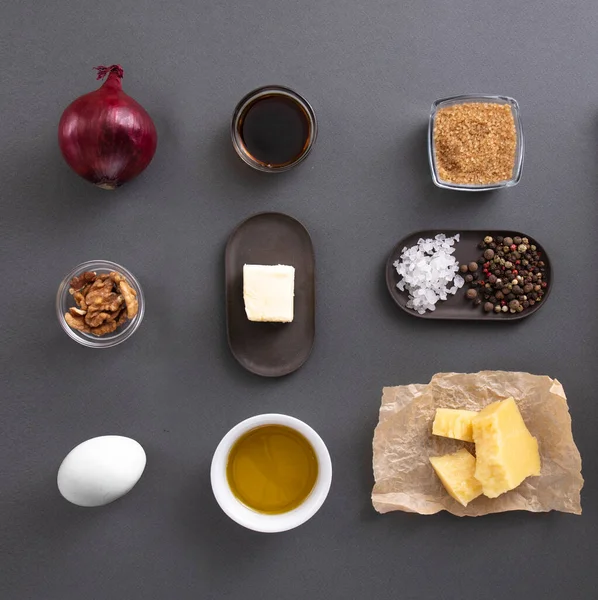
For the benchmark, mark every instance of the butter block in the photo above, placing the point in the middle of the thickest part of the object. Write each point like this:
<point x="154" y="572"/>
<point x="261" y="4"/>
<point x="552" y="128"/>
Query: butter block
<point x="506" y="451"/>
<point x="268" y="292"/>
<point x="456" y="471"/>
<point x="455" y="424"/>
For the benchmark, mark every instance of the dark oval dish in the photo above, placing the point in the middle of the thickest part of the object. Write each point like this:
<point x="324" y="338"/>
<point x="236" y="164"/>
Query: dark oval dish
<point x="270" y="349"/>
<point x="466" y="250"/>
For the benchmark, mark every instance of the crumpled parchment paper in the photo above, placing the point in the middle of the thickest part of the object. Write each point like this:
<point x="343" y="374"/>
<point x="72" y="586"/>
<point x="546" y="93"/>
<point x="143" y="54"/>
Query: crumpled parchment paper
<point x="403" y="443"/>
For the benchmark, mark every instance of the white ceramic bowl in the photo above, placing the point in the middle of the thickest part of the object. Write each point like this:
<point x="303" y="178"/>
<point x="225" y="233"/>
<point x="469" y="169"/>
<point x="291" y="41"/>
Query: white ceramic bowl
<point x="251" y="519"/>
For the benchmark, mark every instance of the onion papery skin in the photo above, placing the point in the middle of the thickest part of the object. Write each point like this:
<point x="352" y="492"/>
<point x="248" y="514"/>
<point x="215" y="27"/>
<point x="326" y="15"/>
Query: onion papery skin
<point x="106" y="136"/>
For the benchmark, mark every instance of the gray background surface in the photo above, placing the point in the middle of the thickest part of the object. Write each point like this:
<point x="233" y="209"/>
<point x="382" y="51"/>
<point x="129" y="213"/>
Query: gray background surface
<point x="371" y="70"/>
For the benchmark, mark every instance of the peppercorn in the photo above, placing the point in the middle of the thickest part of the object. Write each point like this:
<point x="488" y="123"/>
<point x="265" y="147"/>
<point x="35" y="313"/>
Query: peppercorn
<point x="488" y="239"/>
<point x="508" y="264"/>
<point x="468" y="278"/>
<point x="522" y="248"/>
<point x="492" y="279"/>
<point x="499" y="295"/>
<point x="497" y="309"/>
<point x="488" y="307"/>
<point x="525" y="240"/>
<point x="513" y="303"/>
<point x="476" y="276"/>
<point x="517" y="240"/>
<point x="473" y="266"/>
<point x="511" y="296"/>
<point x="477" y="302"/>
<point x="531" y="302"/>
<point x="526" y="304"/>
<point x="481" y="245"/>
<point x="507" y="241"/>
<point x="463" y="268"/>
<point x="481" y="260"/>
<point x="499" y="239"/>
<point x="471" y="294"/>
<point x="517" y="290"/>
<point x="505" y="308"/>
<point x="537" y="288"/>
<point x="489" y="254"/>
<point x="533" y="248"/>
<point x="528" y="287"/>
<point x="520" y="309"/>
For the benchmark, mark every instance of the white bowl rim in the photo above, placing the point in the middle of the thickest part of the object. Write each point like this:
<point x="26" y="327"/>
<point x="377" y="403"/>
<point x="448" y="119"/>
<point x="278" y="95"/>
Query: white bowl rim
<point x="261" y="522"/>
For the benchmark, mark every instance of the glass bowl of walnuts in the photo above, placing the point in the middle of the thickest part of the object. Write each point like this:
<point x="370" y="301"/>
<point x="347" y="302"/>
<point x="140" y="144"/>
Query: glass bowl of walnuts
<point x="100" y="304"/>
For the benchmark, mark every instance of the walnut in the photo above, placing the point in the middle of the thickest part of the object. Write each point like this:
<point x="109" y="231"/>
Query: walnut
<point x="104" y="328"/>
<point x="80" y="281"/>
<point x="130" y="297"/>
<point x="76" y="322"/>
<point x="103" y="303"/>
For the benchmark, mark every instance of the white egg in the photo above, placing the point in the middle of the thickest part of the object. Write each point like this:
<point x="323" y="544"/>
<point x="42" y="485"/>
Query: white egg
<point x="100" y="470"/>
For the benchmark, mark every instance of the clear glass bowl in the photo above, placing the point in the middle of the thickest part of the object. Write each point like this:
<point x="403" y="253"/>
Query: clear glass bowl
<point x="64" y="301"/>
<point x="519" y="150"/>
<point x="241" y="111"/>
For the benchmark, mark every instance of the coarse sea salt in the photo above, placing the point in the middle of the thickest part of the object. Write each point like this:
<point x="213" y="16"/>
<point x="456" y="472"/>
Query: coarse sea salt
<point x="429" y="272"/>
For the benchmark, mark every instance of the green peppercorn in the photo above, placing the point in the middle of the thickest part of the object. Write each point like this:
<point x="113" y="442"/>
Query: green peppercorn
<point x="519" y="309"/>
<point x="489" y="254"/>
<point x="517" y="240"/>
<point x="525" y="240"/>
<point x="521" y="248"/>
<point x="533" y="248"/>
<point x="473" y="266"/>
<point x="508" y="264"/>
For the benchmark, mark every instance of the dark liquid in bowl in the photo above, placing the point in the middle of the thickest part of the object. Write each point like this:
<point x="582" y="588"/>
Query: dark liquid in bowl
<point x="275" y="130"/>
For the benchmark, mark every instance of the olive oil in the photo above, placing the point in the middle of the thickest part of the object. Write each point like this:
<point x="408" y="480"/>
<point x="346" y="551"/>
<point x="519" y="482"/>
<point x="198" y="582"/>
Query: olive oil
<point x="272" y="469"/>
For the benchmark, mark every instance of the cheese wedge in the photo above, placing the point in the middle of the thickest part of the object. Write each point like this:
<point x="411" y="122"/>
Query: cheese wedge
<point x="455" y="424"/>
<point x="506" y="451"/>
<point x="456" y="471"/>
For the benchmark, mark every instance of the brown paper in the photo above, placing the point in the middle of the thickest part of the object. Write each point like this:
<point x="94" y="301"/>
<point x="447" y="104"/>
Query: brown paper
<point x="403" y="443"/>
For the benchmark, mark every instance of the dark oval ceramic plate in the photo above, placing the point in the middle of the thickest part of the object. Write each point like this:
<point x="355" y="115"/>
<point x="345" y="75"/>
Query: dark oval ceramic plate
<point x="270" y="349"/>
<point x="466" y="250"/>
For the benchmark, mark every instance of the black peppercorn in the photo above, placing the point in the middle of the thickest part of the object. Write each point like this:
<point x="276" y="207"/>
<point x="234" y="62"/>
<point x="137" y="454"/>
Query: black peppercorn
<point x="527" y="288"/>
<point x="511" y="296"/>
<point x="499" y="295"/>
<point x="481" y="260"/>
<point x="499" y="239"/>
<point x="468" y="278"/>
<point x="517" y="290"/>
<point x="489" y="254"/>
<point x="526" y="304"/>
<point x="477" y="302"/>
<point x="488" y="307"/>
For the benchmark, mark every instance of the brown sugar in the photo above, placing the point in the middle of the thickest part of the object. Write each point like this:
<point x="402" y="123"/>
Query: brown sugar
<point x="475" y="143"/>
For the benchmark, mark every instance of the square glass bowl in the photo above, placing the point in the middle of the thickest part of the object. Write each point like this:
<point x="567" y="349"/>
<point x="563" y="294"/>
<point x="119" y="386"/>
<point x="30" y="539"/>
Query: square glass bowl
<point x="519" y="150"/>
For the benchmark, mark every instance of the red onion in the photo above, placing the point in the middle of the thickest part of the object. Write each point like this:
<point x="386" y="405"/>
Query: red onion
<point x="106" y="136"/>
